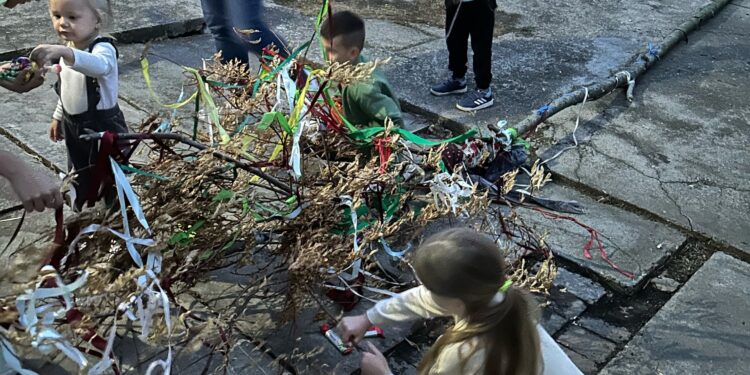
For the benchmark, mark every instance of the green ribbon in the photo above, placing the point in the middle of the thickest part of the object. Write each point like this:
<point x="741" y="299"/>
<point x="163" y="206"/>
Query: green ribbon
<point x="130" y="169"/>
<point x="367" y="134"/>
<point x="278" y="68"/>
<point x="269" y="118"/>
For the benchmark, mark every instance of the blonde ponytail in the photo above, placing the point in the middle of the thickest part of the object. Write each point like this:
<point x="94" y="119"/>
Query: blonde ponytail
<point x="463" y="264"/>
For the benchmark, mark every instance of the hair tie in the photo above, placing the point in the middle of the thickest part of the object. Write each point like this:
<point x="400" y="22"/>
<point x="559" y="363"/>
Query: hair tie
<point x="499" y="297"/>
<point x="506" y="285"/>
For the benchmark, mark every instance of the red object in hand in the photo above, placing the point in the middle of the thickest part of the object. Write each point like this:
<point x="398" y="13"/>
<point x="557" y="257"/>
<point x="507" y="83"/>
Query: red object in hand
<point x="375" y="331"/>
<point x="326" y="330"/>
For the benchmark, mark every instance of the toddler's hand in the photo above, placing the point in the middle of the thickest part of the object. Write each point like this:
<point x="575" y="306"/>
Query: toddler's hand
<point x="55" y="131"/>
<point x="45" y="54"/>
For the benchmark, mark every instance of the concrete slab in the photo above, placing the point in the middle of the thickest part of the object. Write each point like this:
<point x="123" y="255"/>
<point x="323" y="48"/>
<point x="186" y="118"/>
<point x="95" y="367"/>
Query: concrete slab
<point x="27" y="118"/>
<point x="613" y="333"/>
<point x="703" y="329"/>
<point x="166" y="59"/>
<point x="635" y="244"/>
<point x="587" y="344"/>
<point x="552" y="322"/>
<point x="587" y="366"/>
<point x="548" y="51"/>
<point x="679" y="151"/>
<point x="243" y="358"/>
<point x="29" y="25"/>
<point x="586" y="289"/>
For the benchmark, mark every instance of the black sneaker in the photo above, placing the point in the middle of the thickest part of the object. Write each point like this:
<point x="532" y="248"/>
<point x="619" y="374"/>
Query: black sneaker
<point x="449" y="87"/>
<point x="476" y="100"/>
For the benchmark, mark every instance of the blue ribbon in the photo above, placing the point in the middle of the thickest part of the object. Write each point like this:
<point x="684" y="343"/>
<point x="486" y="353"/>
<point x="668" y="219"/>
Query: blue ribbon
<point x="653" y="50"/>
<point x="544" y="109"/>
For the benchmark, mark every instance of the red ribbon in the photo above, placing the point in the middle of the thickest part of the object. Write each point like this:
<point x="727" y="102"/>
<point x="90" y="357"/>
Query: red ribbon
<point x="381" y="144"/>
<point x="593" y="236"/>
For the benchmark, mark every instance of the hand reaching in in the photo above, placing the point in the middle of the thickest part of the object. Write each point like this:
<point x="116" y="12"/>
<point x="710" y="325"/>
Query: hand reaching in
<point x="353" y="328"/>
<point x="373" y="362"/>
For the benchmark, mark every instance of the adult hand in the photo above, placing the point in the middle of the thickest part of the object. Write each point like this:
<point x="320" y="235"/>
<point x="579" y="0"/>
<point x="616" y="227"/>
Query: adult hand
<point x="353" y="328"/>
<point x="373" y="362"/>
<point x="20" y="84"/>
<point x="12" y="3"/>
<point x="36" y="190"/>
<point x="44" y="54"/>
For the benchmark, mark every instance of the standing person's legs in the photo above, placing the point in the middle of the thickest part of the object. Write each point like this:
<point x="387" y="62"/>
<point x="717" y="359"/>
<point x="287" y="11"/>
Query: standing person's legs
<point x="482" y="25"/>
<point x="482" y="28"/>
<point x="457" y="38"/>
<point x="217" y="16"/>
<point x="457" y="41"/>
<point x="248" y="14"/>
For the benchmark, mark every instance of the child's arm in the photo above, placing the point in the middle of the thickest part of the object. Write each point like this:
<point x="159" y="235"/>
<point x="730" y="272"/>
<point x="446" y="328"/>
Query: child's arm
<point x="100" y="62"/>
<point x="412" y="304"/>
<point x="378" y="106"/>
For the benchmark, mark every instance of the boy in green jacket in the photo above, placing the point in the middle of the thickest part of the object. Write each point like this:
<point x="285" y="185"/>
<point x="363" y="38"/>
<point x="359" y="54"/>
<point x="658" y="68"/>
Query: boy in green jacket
<point x="365" y="103"/>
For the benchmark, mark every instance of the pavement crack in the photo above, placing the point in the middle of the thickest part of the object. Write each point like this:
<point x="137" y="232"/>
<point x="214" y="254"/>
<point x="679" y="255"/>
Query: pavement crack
<point x="673" y="200"/>
<point x="621" y="161"/>
<point x="657" y="178"/>
<point x="579" y="163"/>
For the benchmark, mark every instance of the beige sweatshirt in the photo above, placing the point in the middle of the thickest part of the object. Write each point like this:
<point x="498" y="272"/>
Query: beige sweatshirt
<point x="419" y="303"/>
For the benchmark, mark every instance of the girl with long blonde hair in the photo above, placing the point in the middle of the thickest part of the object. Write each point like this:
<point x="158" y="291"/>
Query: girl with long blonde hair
<point x="464" y="276"/>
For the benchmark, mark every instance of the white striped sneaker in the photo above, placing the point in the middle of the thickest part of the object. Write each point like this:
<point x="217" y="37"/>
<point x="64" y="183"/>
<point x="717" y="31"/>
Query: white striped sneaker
<point x="476" y="100"/>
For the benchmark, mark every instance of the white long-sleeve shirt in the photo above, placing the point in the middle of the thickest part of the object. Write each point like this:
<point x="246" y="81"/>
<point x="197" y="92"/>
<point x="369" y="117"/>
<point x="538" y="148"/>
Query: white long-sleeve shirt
<point x="101" y="64"/>
<point x="419" y="303"/>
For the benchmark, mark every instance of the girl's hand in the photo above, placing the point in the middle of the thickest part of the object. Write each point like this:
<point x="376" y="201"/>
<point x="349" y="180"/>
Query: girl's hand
<point x="55" y="131"/>
<point x="373" y="362"/>
<point x="353" y="328"/>
<point x="45" y="54"/>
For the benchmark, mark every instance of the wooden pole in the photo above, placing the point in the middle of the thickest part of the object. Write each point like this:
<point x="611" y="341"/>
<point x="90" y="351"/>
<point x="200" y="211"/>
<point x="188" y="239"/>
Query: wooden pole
<point x="642" y="63"/>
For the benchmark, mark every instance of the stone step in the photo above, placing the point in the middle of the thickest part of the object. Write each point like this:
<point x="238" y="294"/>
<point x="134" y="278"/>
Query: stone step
<point x="635" y="244"/>
<point x="703" y="329"/>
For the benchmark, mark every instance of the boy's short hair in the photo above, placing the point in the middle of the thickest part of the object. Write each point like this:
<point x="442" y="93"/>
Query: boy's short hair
<point x="346" y="24"/>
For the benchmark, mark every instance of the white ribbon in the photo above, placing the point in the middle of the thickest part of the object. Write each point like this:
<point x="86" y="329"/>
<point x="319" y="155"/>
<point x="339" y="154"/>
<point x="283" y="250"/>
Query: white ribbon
<point x="11" y="358"/>
<point x="448" y="189"/>
<point x="346" y="200"/>
<point x="38" y="320"/>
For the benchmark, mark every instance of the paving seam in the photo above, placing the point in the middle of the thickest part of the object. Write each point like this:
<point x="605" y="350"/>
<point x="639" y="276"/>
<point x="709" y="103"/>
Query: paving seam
<point x="135" y="36"/>
<point x="630" y="207"/>
<point x="46" y="162"/>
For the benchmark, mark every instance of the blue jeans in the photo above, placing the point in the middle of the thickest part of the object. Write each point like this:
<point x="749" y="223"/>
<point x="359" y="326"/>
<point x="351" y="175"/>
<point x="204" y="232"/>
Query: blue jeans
<point x="222" y="16"/>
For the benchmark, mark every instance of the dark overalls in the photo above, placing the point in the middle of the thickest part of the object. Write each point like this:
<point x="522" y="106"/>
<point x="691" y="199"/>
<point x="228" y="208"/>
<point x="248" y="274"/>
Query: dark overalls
<point x="82" y="155"/>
